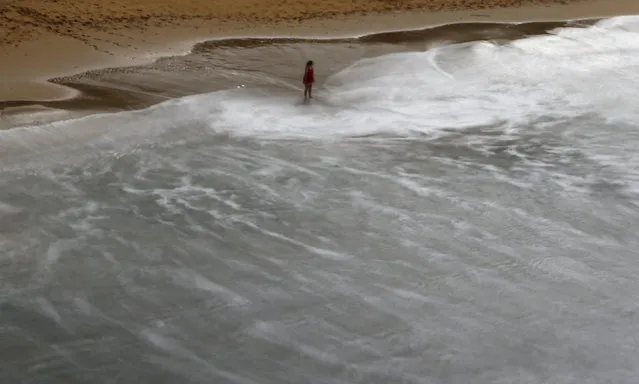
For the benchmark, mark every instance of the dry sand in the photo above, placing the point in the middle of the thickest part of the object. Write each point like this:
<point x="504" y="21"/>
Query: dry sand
<point x="41" y="39"/>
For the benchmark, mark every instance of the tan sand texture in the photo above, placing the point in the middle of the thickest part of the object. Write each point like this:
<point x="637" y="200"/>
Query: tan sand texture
<point x="24" y="20"/>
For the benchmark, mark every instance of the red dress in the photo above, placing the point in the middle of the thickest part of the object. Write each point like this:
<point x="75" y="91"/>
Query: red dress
<point x="309" y="76"/>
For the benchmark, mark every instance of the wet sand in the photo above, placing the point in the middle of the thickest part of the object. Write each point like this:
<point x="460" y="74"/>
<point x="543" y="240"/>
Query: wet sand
<point x="95" y="56"/>
<point x="259" y="64"/>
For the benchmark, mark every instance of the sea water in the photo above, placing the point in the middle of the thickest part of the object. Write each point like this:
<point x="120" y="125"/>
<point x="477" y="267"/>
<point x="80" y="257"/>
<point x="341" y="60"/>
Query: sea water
<point x="461" y="214"/>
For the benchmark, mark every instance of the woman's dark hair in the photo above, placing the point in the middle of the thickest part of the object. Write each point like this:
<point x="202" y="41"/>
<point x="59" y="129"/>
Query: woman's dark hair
<point x="310" y="62"/>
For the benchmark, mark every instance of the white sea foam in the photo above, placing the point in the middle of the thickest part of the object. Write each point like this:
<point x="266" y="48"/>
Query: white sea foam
<point x="569" y="73"/>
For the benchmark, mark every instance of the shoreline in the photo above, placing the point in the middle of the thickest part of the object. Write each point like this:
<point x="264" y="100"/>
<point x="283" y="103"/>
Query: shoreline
<point x="33" y="82"/>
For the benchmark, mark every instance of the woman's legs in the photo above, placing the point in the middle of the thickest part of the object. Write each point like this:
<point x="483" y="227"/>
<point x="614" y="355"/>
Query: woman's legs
<point x="308" y="88"/>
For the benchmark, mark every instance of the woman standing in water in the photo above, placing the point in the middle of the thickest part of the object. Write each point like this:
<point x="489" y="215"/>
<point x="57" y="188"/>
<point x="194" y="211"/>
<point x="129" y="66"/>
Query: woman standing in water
<point x="308" y="80"/>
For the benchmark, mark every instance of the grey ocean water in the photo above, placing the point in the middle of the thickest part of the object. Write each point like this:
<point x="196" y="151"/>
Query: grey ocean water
<point x="463" y="214"/>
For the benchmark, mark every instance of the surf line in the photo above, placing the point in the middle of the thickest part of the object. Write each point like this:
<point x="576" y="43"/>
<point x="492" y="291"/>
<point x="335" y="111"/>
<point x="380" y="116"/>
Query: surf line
<point x="433" y="63"/>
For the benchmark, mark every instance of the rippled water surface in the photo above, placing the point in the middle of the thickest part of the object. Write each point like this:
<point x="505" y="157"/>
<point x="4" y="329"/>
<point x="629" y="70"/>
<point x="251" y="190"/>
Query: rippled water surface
<point x="461" y="214"/>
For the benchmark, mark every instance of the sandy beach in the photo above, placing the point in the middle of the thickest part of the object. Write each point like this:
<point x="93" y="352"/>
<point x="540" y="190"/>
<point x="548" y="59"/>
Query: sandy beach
<point x="46" y="39"/>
